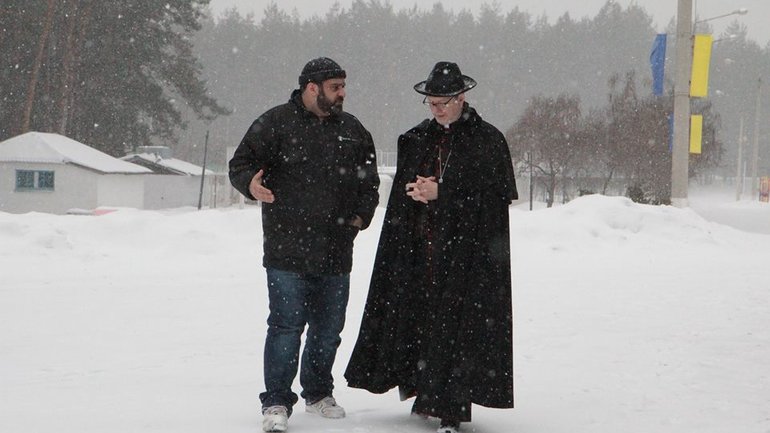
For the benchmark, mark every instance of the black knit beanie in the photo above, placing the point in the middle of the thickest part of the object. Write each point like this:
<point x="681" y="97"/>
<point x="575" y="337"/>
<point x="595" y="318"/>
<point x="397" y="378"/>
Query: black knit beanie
<point x="320" y="69"/>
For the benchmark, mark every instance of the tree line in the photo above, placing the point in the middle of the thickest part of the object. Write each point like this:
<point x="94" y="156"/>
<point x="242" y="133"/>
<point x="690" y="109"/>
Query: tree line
<point x="621" y="148"/>
<point x="518" y="59"/>
<point x="110" y="73"/>
<point x="116" y="74"/>
<point x="252" y="66"/>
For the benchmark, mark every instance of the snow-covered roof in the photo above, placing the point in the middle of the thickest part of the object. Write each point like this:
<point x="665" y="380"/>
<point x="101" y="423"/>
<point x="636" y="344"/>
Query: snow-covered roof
<point x="42" y="147"/>
<point x="175" y="165"/>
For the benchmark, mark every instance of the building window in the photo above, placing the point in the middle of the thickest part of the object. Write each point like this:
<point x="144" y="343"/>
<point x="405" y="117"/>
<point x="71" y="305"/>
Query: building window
<point x="45" y="180"/>
<point x="31" y="180"/>
<point x="25" y="179"/>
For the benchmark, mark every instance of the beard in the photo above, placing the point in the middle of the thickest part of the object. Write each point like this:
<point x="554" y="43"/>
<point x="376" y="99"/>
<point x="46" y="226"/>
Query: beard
<point x="327" y="105"/>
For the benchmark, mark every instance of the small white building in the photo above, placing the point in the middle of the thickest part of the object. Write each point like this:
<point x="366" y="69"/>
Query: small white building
<point x="45" y="172"/>
<point x="174" y="183"/>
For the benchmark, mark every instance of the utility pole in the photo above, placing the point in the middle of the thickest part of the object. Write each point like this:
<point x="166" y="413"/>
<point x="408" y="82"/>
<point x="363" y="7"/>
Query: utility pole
<point x="739" y="173"/>
<point x="755" y="151"/>
<point x="203" y="170"/>
<point x="531" y="181"/>
<point x="681" y="147"/>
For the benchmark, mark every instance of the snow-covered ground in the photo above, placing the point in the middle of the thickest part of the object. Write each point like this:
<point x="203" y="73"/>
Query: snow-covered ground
<point x="628" y="318"/>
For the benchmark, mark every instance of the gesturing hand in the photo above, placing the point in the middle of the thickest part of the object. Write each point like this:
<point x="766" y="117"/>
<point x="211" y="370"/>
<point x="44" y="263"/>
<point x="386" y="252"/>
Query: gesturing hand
<point x="258" y="191"/>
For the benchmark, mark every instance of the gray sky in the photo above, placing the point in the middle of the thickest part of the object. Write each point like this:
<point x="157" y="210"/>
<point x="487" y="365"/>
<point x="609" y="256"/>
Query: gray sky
<point x="757" y="20"/>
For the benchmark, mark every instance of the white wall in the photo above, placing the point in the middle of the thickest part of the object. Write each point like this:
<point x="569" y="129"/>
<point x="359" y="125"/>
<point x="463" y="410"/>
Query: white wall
<point x="169" y="191"/>
<point x="74" y="187"/>
<point x="121" y="190"/>
<point x="83" y="189"/>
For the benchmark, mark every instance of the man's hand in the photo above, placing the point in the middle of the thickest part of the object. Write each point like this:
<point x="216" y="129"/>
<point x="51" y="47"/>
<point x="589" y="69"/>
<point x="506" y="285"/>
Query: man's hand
<point x="357" y="222"/>
<point x="423" y="189"/>
<point x="258" y="191"/>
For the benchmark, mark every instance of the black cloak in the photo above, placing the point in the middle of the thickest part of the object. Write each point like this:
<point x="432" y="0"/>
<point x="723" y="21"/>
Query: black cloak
<point x="438" y="317"/>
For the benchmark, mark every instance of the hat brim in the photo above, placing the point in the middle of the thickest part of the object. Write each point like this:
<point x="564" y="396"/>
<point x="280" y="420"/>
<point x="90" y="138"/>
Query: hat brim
<point x="468" y="84"/>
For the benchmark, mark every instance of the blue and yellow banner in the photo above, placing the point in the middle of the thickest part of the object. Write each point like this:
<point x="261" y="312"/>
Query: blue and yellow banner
<point x="701" y="56"/>
<point x="658" y="63"/>
<point x="696" y="133"/>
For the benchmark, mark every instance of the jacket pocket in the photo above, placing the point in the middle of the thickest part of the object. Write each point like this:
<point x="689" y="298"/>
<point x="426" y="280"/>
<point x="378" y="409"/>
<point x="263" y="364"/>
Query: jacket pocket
<point x="350" y="232"/>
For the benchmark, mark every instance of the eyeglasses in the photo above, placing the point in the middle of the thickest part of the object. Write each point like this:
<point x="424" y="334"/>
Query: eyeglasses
<point x="444" y="104"/>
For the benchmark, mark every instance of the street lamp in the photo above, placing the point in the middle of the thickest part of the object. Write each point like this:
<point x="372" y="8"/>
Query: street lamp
<point x="755" y="150"/>
<point x="741" y="11"/>
<point x="680" y="153"/>
<point x="729" y="37"/>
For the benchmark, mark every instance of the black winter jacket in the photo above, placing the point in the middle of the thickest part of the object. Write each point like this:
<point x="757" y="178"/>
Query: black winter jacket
<point x="322" y="172"/>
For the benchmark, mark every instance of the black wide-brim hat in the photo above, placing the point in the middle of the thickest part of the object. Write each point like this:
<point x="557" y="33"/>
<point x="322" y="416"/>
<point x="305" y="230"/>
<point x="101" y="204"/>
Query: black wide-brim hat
<point x="445" y="80"/>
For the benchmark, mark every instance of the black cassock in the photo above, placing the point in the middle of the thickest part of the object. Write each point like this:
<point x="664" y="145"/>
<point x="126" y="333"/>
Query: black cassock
<point x="438" y="318"/>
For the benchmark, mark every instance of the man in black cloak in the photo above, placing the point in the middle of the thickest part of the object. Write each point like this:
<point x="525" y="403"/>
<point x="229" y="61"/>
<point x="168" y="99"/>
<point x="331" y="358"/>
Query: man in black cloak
<point x="438" y="318"/>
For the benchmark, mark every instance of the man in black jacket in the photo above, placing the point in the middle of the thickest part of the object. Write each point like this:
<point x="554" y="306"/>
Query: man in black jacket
<point x="313" y="167"/>
<point x="438" y="319"/>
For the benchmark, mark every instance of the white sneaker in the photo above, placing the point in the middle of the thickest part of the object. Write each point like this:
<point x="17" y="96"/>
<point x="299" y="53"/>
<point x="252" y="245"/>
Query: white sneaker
<point x="326" y="407"/>
<point x="276" y="419"/>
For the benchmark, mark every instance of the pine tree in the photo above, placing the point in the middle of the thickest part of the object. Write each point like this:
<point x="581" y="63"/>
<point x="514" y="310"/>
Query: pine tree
<point x="113" y="74"/>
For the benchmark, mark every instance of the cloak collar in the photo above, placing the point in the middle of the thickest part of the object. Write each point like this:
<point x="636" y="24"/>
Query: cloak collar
<point x="468" y="118"/>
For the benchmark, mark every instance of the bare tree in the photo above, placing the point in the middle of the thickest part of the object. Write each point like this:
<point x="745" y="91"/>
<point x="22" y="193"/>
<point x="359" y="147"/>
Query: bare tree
<point x="78" y="17"/>
<point x="37" y="65"/>
<point x="549" y="132"/>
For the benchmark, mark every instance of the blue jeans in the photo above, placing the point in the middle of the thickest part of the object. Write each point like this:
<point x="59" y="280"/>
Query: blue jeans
<point x="296" y="300"/>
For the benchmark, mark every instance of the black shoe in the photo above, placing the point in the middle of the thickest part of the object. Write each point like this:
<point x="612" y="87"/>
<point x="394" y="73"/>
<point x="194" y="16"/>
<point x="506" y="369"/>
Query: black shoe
<point x="449" y="426"/>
